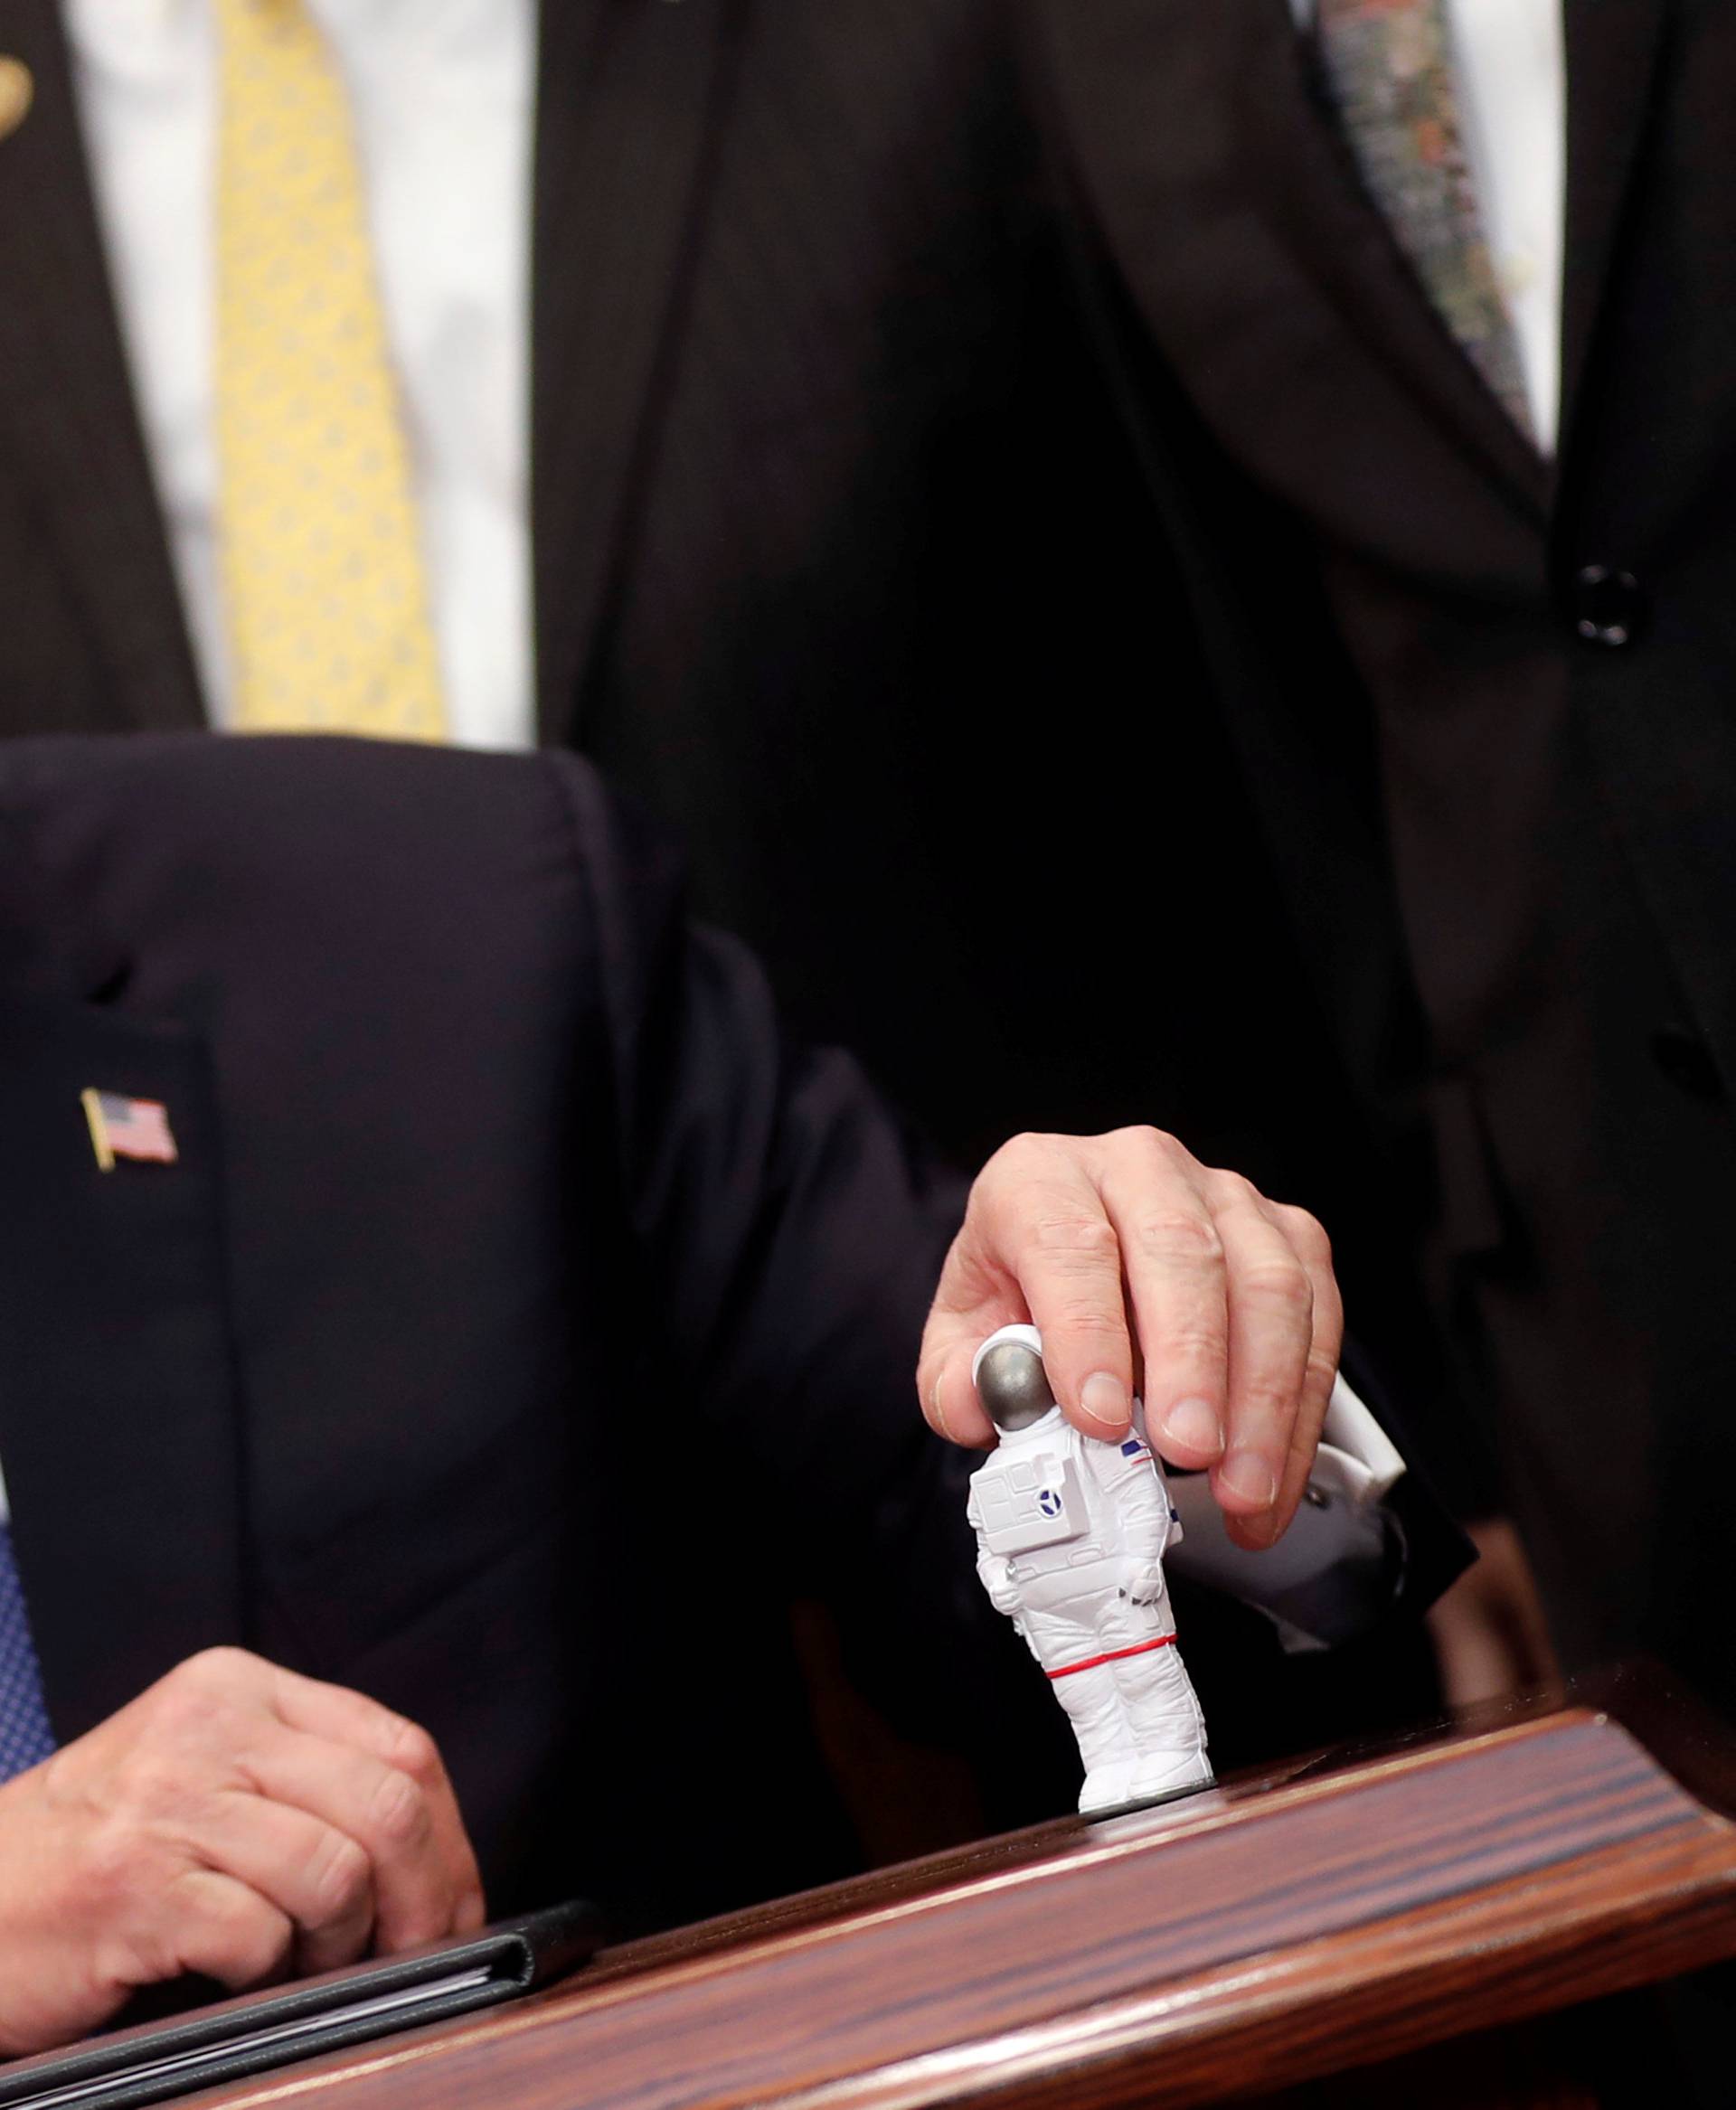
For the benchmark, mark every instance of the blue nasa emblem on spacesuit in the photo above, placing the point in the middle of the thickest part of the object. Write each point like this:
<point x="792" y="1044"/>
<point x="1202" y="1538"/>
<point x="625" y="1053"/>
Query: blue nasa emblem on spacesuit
<point x="1048" y="1502"/>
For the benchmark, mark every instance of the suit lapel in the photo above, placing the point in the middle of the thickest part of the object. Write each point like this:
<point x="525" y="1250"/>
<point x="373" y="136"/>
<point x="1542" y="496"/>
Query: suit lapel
<point x="68" y="424"/>
<point x="627" y="93"/>
<point x="1226" y="192"/>
<point x="119" y="1427"/>
<point x="1612" y="47"/>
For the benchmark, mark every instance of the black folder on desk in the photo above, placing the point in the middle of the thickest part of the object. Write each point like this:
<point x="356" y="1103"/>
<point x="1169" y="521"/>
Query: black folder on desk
<point x="247" y="2036"/>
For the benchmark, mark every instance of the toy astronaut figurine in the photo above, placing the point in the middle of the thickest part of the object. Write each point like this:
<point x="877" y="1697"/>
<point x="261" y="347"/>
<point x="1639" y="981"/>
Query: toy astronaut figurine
<point x="1071" y="1535"/>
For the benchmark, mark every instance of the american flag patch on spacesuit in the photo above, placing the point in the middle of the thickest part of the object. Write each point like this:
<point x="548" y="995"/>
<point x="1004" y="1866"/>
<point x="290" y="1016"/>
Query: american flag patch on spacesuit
<point x="1134" y="1447"/>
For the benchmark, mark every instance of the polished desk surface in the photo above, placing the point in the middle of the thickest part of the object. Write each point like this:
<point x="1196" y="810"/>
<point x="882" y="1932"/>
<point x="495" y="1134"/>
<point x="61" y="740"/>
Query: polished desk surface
<point x="1240" y="1941"/>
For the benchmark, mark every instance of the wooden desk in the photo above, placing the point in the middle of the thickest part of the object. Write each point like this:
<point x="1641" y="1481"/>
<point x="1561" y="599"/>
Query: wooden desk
<point x="1234" y="1945"/>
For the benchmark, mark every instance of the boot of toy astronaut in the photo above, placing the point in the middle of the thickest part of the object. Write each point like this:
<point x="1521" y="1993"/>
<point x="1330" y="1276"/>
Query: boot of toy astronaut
<point x="1071" y="1535"/>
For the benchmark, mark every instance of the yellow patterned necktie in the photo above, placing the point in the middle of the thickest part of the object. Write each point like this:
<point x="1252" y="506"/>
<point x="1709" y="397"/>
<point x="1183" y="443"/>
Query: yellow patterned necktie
<point x="321" y="560"/>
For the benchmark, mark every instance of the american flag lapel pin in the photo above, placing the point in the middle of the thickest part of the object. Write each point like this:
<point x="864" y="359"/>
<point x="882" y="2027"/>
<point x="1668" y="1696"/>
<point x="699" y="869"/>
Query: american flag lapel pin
<point x="130" y="1128"/>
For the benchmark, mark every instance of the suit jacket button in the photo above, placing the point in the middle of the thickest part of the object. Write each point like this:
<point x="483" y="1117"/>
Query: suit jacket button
<point x="1686" y="1060"/>
<point x="16" y="92"/>
<point x="1608" y="606"/>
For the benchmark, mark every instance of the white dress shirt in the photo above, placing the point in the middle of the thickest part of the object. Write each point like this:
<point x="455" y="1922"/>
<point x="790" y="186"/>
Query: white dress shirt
<point x="442" y="94"/>
<point x="1510" y="64"/>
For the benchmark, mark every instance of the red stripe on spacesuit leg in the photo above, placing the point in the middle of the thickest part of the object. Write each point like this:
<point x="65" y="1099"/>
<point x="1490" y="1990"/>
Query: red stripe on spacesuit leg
<point x="1113" y="1656"/>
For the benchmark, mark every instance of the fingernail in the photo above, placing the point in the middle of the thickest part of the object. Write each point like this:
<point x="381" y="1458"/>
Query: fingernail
<point x="1104" y="1400"/>
<point x="1193" y="1424"/>
<point x="1249" y="1478"/>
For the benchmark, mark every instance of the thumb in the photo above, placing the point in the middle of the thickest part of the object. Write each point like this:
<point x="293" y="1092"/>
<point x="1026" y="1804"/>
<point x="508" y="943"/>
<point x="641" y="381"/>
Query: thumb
<point x="971" y="1302"/>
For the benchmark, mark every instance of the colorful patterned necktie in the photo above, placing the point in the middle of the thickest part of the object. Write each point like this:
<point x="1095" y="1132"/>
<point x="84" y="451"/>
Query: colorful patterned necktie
<point x="25" y="1737"/>
<point x="321" y="560"/>
<point x="1388" y="66"/>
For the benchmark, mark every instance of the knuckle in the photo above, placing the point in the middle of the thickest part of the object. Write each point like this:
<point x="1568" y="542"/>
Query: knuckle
<point x="1279" y="1288"/>
<point x="413" y="1751"/>
<point x="1142" y="1139"/>
<point x="1268" y="1403"/>
<point x="1269" y="1406"/>
<point x="1323" y="1368"/>
<point x="1074" y="1240"/>
<point x="235" y="1934"/>
<point x="341" y="1877"/>
<point x="1028" y="1144"/>
<point x="218" y="1669"/>
<point x="1184" y="1237"/>
<point x="1013" y="1161"/>
<point x="1093" y="1236"/>
<point x="1307" y="1232"/>
<point x="186" y="1733"/>
<point x="254" y="1942"/>
<point x="1236" y="1189"/>
<point x="1092" y="1329"/>
<point x="398" y="1812"/>
<point x="197" y="1696"/>
<point x="221" y="1909"/>
<point x="1193" y="1345"/>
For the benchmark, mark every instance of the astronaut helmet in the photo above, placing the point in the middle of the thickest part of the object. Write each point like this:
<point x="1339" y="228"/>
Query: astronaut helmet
<point x="1010" y="1380"/>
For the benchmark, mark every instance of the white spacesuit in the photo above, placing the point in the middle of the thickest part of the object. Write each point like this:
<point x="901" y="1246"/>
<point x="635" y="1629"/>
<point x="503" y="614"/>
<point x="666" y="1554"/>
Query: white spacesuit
<point x="1071" y="1535"/>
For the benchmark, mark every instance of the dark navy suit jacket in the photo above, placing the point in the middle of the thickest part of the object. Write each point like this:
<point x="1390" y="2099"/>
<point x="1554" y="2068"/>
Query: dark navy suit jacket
<point x="520" y="1327"/>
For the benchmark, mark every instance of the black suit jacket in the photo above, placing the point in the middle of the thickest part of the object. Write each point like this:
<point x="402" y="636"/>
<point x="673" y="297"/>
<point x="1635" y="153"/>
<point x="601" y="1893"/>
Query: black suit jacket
<point x="816" y="570"/>
<point x="1484" y="704"/>
<point x="802" y="377"/>
<point x="519" y="1329"/>
<point x="842" y="563"/>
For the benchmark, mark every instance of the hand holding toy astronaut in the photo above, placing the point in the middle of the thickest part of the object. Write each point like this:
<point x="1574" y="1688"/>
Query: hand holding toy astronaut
<point x="1236" y="1321"/>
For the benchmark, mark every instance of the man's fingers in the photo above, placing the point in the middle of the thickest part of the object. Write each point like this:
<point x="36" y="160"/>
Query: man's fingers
<point x="216" y="1926"/>
<point x="380" y="1777"/>
<point x="335" y="1712"/>
<point x="949" y="1403"/>
<point x="1313" y="1250"/>
<point x="1272" y="1332"/>
<point x="976" y="1295"/>
<point x="319" y="1876"/>
<point x="1236" y="1316"/>
<point x="1036" y="1244"/>
<point x="386" y="1812"/>
<point x="1174" y="1257"/>
<point x="1045" y="1215"/>
<point x="198" y="1830"/>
